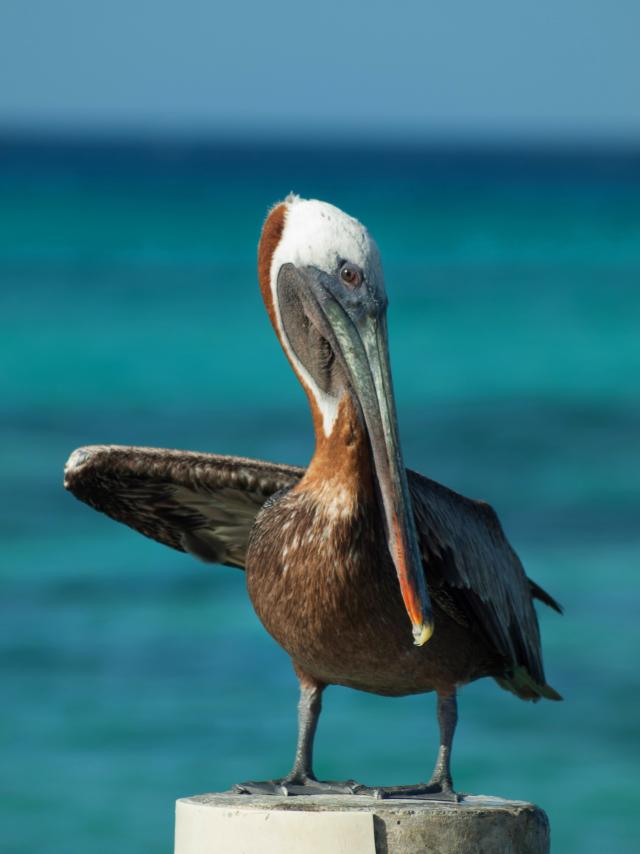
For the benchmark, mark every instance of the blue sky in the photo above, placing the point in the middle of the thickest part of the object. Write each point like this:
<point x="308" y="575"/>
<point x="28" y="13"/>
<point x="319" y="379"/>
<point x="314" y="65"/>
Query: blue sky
<point x="470" y="67"/>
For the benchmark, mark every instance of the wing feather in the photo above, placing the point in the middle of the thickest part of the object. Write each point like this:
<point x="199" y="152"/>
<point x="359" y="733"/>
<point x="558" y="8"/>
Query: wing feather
<point x="474" y="572"/>
<point x="204" y="504"/>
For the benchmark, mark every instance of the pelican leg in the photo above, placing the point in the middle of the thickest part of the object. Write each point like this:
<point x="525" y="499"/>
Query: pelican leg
<point x="301" y="780"/>
<point x="309" y="708"/>
<point x="440" y="786"/>
<point x="447" y="720"/>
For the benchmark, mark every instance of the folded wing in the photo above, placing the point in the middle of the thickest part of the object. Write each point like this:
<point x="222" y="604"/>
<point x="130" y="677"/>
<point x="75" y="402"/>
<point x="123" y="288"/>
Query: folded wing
<point x="476" y="577"/>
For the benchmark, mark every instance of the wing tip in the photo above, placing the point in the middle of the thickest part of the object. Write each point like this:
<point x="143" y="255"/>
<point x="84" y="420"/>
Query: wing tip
<point x="550" y="693"/>
<point x="76" y="462"/>
<point x="521" y="683"/>
<point x="80" y="461"/>
<point x="541" y="595"/>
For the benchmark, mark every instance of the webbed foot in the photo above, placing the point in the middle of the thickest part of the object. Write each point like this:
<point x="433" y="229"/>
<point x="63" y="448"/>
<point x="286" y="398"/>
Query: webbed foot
<point x="434" y="791"/>
<point x="298" y="785"/>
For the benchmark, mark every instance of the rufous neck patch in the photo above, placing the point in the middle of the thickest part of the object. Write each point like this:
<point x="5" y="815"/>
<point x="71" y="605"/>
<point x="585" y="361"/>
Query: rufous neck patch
<point x="342" y="459"/>
<point x="269" y="239"/>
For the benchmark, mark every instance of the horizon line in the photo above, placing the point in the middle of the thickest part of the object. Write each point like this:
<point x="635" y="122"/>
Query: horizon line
<point x="316" y="137"/>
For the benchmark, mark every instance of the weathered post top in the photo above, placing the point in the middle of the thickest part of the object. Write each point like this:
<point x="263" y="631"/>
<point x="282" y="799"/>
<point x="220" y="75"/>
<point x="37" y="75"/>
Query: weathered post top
<point x="324" y="824"/>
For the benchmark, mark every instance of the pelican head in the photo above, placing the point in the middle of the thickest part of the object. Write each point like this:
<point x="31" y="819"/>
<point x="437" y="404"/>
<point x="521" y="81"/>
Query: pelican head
<point x="323" y="286"/>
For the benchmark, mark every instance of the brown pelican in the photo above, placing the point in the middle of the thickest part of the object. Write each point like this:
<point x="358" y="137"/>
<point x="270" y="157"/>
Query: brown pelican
<point x="368" y="574"/>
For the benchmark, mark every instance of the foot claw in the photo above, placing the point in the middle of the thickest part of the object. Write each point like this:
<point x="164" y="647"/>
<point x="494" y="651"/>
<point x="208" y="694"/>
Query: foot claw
<point x="239" y="789"/>
<point x="262" y="787"/>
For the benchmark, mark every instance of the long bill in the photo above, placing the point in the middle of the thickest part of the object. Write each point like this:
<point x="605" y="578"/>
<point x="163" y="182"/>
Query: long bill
<point x="363" y="345"/>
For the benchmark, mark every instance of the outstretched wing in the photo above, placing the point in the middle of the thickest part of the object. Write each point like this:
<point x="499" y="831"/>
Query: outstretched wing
<point x="477" y="578"/>
<point x="199" y="503"/>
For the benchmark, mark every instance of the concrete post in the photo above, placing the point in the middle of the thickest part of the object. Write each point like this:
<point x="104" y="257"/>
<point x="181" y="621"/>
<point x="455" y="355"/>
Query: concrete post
<point x="244" y="824"/>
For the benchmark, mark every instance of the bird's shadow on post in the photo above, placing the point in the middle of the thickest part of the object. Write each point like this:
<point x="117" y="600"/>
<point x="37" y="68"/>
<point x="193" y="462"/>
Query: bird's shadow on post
<point x="380" y="836"/>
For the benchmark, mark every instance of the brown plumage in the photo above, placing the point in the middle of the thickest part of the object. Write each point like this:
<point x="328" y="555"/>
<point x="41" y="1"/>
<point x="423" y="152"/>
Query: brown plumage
<point x="207" y="504"/>
<point x="337" y="555"/>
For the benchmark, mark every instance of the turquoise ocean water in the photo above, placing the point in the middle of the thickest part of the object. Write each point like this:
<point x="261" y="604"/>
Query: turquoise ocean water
<point x="129" y="313"/>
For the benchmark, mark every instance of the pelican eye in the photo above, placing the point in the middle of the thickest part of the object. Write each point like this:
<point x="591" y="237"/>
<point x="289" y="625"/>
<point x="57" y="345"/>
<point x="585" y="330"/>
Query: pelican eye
<point x="351" y="275"/>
